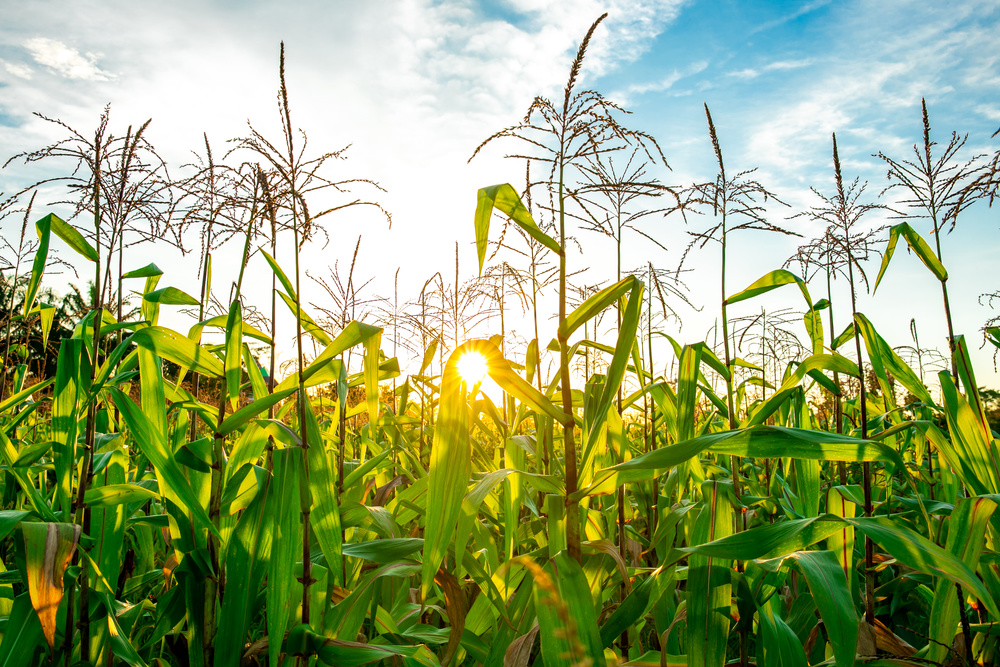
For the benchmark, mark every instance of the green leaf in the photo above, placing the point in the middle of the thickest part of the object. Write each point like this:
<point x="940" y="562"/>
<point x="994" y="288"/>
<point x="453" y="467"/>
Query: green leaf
<point x="918" y="245"/>
<point x="505" y="198"/>
<point x="755" y="442"/>
<point x="248" y="412"/>
<point x="619" y="362"/>
<point x="66" y="397"/>
<point x="41" y="258"/>
<point x="769" y="541"/>
<point x="247" y="559"/>
<point x="770" y="281"/>
<point x="170" y="296"/>
<point x="313" y="329"/>
<point x="71" y="237"/>
<point x="234" y="349"/>
<point x="285" y="502"/>
<point x="168" y="471"/>
<point x="325" y="516"/>
<point x="149" y="271"/>
<point x="384" y="551"/>
<point x="966" y="540"/>
<point x="919" y="553"/>
<point x="282" y="278"/>
<point x="597" y="303"/>
<point x="709" y="584"/>
<point x="179" y="349"/>
<point x="22" y="636"/>
<point x="832" y="596"/>
<point x="118" y="494"/>
<point x="562" y="594"/>
<point x="885" y="360"/>
<point x="450" y="466"/>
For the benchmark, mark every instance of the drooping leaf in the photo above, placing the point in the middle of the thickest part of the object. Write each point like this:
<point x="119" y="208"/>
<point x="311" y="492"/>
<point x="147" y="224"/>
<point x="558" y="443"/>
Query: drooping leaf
<point x="918" y="245"/>
<point x="505" y="198"/>
<point x="770" y="281"/>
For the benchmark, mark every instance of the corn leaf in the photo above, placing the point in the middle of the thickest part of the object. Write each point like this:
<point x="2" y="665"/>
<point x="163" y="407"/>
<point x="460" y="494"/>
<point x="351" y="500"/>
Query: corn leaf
<point x="709" y="586"/>
<point x="918" y="245"/>
<point x="48" y="548"/>
<point x="505" y="198"/>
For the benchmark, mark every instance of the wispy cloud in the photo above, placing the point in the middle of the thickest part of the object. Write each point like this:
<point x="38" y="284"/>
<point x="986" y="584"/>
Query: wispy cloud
<point x="800" y="12"/>
<point x="66" y="61"/>
<point x="658" y="86"/>
<point x="20" y="70"/>
<point x="777" y="66"/>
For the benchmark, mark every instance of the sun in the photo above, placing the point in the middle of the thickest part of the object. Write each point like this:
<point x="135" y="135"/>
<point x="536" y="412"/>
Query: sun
<point x="472" y="367"/>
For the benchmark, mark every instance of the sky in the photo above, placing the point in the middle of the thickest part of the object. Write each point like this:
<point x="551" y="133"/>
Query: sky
<point x="414" y="86"/>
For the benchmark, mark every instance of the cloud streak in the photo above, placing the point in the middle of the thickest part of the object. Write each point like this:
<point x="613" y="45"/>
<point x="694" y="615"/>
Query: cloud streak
<point x="65" y="61"/>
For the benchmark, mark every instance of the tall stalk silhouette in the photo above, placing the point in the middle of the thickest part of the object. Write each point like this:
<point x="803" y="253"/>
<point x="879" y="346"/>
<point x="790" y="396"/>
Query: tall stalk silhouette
<point x="300" y="176"/>
<point x="937" y="188"/>
<point x="562" y="138"/>
<point x="737" y="203"/>
<point x="846" y="244"/>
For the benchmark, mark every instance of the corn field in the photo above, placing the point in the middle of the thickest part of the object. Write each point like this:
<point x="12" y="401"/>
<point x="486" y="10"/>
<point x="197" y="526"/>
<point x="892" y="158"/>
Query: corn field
<point x="789" y="493"/>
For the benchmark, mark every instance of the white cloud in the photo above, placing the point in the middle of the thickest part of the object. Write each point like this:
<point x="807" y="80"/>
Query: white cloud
<point x="782" y="65"/>
<point x="66" y="61"/>
<point x="989" y="111"/>
<point x="745" y="74"/>
<point x="20" y="70"/>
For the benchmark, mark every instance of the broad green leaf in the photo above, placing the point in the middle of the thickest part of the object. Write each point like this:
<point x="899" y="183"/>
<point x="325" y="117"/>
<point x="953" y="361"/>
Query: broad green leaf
<point x="285" y="507"/>
<point x="69" y="234"/>
<point x="353" y="334"/>
<point x="832" y="595"/>
<point x="149" y="271"/>
<point x="770" y="281"/>
<point x="755" y="442"/>
<point x="637" y="604"/>
<point x="597" y="303"/>
<point x="118" y="494"/>
<point x="917" y="552"/>
<point x="325" y="515"/>
<point x="170" y="296"/>
<point x="616" y="371"/>
<point x="450" y="466"/>
<point x="886" y="362"/>
<point x="220" y="322"/>
<point x="247" y="559"/>
<point x="709" y="586"/>
<point x="65" y="415"/>
<point x="282" y="278"/>
<point x="505" y="198"/>
<point x="918" y="245"/>
<point x="242" y="416"/>
<point x="168" y="471"/>
<point x="966" y="539"/>
<point x="841" y="543"/>
<point x="22" y="636"/>
<point x="313" y="329"/>
<point x="772" y="540"/>
<point x="234" y="349"/>
<point x="179" y="349"/>
<point x="972" y="451"/>
<point x="43" y="227"/>
<point x="567" y="620"/>
<point x="815" y="363"/>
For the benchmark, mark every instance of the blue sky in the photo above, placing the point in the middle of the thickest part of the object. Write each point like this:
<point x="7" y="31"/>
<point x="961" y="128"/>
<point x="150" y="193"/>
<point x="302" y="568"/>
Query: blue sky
<point x="413" y="86"/>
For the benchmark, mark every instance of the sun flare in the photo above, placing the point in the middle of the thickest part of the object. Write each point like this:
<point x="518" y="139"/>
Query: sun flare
<point x="472" y="367"/>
